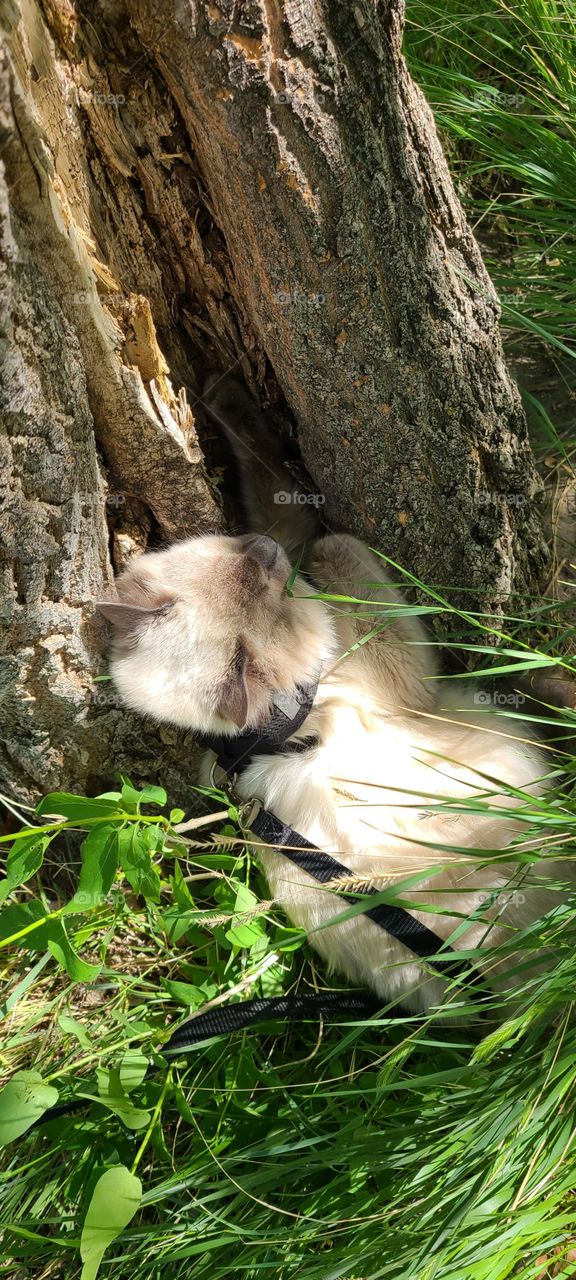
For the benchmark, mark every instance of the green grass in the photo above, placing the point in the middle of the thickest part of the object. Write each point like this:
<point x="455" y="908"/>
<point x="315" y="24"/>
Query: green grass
<point x="411" y="1148"/>
<point x="501" y="79"/>
<point x="418" y="1149"/>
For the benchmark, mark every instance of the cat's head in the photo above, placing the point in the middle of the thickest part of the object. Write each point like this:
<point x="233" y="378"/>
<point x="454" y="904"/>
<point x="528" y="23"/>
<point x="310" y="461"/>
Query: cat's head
<point x="204" y="633"/>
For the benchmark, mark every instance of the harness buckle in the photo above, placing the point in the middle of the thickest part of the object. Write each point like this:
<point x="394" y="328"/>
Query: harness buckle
<point x="248" y="810"/>
<point x="219" y="779"/>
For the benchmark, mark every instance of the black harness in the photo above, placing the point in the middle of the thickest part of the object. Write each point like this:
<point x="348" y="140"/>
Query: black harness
<point x="233" y="755"/>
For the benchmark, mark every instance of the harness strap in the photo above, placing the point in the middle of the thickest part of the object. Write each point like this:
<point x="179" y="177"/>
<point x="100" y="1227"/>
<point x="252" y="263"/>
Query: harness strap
<point x="287" y="715"/>
<point x="396" y="921"/>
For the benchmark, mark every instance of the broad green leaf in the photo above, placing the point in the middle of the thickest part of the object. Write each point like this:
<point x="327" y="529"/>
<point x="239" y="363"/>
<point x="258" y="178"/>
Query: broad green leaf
<point x="176" y="815"/>
<point x="22" y="1101"/>
<point x="133" y="1117"/>
<point x="77" y="808"/>
<point x="132" y="1069"/>
<point x="24" y="860"/>
<point x="153" y="837"/>
<point x="244" y="934"/>
<point x="185" y="993"/>
<point x="17" y="917"/>
<point x="137" y="864"/>
<point x="149" y="794"/>
<point x="153" y="795"/>
<point x="99" y="866"/>
<point x="71" y="1027"/>
<point x="61" y="948"/>
<point x="115" y="1200"/>
<point x="114" y="1097"/>
<point x="130" y="797"/>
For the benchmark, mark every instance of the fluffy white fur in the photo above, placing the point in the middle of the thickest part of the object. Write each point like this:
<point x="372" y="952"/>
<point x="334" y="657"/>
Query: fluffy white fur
<point x="205" y="634"/>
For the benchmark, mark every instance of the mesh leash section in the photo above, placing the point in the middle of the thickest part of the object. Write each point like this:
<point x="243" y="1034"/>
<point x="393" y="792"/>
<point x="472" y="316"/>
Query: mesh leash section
<point x="224" y="1019"/>
<point x="236" y="1017"/>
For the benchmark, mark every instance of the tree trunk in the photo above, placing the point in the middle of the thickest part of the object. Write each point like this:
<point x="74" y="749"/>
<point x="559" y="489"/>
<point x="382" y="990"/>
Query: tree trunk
<point x="259" y="187"/>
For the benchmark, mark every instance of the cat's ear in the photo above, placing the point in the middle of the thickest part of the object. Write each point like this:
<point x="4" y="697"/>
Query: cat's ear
<point x="233" y="694"/>
<point x="130" y="618"/>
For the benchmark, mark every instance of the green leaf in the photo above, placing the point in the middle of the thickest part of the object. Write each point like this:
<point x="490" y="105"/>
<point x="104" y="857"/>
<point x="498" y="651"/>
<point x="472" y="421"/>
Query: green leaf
<point x="99" y="866"/>
<point x="182" y="896"/>
<point x="24" y="860"/>
<point x="133" y="1117"/>
<point x="244" y="934"/>
<point x="114" y="1097"/>
<point x="176" y="815"/>
<point x="77" y="808"/>
<point x="137" y="864"/>
<point x="116" y="1198"/>
<point x="22" y="1101"/>
<point x="61" y="948"/>
<point x="153" y="837"/>
<point x="71" y="1027"/>
<point x="153" y="795"/>
<point x="132" y="1069"/>
<point x="130" y="797"/>
<point x="18" y="916"/>
<point x="185" y="993"/>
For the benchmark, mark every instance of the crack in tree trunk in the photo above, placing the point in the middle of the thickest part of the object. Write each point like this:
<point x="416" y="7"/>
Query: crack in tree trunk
<point x="190" y="186"/>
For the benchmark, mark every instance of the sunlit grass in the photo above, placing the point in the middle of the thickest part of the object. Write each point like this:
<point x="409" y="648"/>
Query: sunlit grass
<point x="412" y="1147"/>
<point x="501" y="81"/>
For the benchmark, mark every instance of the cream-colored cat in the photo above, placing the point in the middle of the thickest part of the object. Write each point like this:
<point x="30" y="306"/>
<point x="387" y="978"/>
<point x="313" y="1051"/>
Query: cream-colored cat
<point x="205" y="634"/>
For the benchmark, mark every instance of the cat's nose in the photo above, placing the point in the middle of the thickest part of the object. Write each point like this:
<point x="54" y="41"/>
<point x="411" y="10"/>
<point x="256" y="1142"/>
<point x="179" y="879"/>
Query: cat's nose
<point x="262" y="549"/>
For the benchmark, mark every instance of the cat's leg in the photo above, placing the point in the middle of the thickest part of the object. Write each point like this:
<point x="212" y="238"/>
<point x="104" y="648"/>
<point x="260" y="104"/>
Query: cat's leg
<point x="387" y="648"/>
<point x="273" y="501"/>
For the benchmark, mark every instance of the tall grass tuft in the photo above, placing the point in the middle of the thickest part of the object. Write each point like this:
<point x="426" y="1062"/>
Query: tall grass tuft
<point x="501" y="80"/>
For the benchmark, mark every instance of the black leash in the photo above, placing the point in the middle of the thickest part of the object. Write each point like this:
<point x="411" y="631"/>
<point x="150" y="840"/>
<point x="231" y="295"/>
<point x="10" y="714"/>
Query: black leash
<point x="224" y="1019"/>
<point x="235" y="1017"/>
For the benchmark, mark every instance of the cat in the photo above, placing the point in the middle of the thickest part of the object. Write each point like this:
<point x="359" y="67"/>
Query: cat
<point x="205" y="635"/>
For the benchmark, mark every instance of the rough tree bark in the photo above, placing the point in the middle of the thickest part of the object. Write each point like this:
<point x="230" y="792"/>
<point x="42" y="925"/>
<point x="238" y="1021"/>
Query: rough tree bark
<point x="255" y="186"/>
